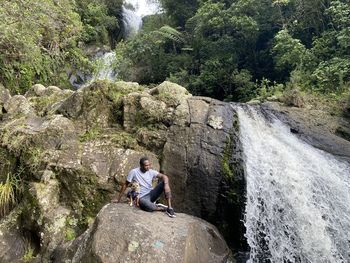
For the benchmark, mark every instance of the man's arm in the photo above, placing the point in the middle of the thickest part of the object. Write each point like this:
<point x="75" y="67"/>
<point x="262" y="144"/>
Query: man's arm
<point x="124" y="186"/>
<point x="163" y="177"/>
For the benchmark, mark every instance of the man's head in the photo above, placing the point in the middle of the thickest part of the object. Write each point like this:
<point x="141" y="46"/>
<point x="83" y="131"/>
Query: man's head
<point x="145" y="164"/>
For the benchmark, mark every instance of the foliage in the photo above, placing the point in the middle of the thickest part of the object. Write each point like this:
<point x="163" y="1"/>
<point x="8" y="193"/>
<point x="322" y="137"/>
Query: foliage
<point x="28" y="254"/>
<point x="225" y="49"/>
<point x="325" y="66"/>
<point x="240" y="49"/>
<point x="100" y="20"/>
<point x="9" y="191"/>
<point x="38" y="41"/>
<point x="90" y="134"/>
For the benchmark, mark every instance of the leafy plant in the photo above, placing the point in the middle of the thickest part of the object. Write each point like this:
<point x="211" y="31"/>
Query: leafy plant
<point x="8" y="193"/>
<point x="28" y="255"/>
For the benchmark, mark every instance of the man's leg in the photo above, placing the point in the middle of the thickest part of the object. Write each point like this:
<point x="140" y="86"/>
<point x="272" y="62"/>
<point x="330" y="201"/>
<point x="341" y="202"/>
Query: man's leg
<point x="147" y="205"/>
<point x="156" y="193"/>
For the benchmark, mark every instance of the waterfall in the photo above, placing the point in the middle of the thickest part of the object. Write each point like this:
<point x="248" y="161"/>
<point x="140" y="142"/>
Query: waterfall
<point x="298" y="196"/>
<point x="105" y="66"/>
<point x="134" y="10"/>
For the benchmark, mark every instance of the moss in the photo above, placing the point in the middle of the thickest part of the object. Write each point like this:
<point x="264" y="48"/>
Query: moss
<point x="33" y="158"/>
<point x="28" y="255"/>
<point x="226" y="167"/>
<point x="12" y="138"/>
<point x="125" y="140"/>
<point x="8" y="163"/>
<point x="168" y="99"/>
<point x="91" y="134"/>
<point x="78" y="190"/>
<point x="40" y="104"/>
<point x="11" y="219"/>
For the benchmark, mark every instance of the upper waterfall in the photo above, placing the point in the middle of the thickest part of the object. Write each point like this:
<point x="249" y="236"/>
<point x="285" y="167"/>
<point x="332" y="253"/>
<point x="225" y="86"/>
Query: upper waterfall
<point x="297" y="196"/>
<point x="134" y="10"/>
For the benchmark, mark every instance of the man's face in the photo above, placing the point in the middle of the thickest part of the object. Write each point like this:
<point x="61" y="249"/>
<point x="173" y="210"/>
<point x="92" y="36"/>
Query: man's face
<point x="146" y="165"/>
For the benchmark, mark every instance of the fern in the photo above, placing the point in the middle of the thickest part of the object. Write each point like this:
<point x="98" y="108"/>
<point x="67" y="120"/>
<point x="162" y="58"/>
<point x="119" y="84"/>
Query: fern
<point x="170" y="33"/>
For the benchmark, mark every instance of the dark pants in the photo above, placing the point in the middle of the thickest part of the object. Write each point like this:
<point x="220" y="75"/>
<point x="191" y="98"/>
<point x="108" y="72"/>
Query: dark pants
<point x="147" y="201"/>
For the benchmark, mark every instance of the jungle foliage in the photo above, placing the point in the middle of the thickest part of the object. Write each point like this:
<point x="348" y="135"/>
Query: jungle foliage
<point x="227" y="49"/>
<point x="239" y="49"/>
<point x="41" y="41"/>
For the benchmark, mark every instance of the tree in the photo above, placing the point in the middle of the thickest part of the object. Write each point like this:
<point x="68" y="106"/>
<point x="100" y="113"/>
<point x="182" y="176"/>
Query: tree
<point x="38" y="41"/>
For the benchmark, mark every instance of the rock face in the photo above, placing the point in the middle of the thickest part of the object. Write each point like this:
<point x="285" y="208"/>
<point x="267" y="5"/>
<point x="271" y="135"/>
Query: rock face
<point x="73" y="148"/>
<point x="203" y="160"/>
<point x="124" y="234"/>
<point x="71" y="167"/>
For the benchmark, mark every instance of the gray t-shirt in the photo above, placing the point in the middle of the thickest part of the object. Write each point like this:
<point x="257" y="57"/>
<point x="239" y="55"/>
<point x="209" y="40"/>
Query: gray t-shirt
<point x="144" y="179"/>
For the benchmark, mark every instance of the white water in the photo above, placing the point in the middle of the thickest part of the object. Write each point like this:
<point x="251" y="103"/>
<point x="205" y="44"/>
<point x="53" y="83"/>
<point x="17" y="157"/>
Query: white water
<point x="105" y="66"/>
<point x="134" y="10"/>
<point x="298" y="197"/>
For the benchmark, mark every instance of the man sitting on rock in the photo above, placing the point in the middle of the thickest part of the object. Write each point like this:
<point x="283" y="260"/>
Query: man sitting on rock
<point x="144" y="176"/>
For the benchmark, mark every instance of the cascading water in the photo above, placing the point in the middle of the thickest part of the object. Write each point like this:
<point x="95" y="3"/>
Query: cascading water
<point x="133" y="11"/>
<point x="297" y="196"/>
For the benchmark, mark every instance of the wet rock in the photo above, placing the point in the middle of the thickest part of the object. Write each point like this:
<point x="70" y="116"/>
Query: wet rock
<point x="316" y="127"/>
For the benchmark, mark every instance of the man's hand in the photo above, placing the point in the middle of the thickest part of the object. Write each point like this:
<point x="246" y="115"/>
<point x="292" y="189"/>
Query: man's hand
<point x="117" y="200"/>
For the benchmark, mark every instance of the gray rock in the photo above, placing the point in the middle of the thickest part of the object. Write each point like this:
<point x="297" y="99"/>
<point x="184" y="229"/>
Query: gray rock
<point x="36" y="90"/>
<point x="18" y="106"/>
<point x="72" y="106"/>
<point x="193" y="157"/>
<point x="4" y="95"/>
<point x="12" y="246"/>
<point x="12" y="242"/>
<point x="50" y="216"/>
<point x="109" y="162"/>
<point x="124" y="234"/>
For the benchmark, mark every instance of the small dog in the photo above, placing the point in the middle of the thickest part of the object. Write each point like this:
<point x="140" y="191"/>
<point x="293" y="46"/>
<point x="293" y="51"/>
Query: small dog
<point x="133" y="193"/>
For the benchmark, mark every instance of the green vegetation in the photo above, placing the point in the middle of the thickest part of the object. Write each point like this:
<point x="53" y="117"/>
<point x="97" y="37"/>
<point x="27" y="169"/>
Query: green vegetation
<point x="100" y="20"/>
<point x="9" y="191"/>
<point x="90" y="134"/>
<point x="71" y="223"/>
<point x="225" y="162"/>
<point x="239" y="50"/>
<point x="40" y="41"/>
<point x="234" y="50"/>
<point x="28" y="255"/>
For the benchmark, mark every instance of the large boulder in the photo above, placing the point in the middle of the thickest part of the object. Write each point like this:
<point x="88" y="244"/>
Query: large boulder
<point x="97" y="104"/>
<point x="204" y="163"/>
<point x="12" y="242"/>
<point x="46" y="100"/>
<point x="193" y="156"/>
<point x="124" y="234"/>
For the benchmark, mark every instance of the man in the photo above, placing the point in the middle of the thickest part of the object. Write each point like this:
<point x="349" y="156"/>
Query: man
<point x="144" y="175"/>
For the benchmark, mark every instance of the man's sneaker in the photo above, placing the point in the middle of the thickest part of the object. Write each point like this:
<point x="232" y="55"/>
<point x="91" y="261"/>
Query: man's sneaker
<point x="170" y="212"/>
<point x="164" y="207"/>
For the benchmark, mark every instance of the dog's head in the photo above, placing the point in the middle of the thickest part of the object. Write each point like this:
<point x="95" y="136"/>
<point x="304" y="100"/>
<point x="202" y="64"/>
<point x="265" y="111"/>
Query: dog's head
<point x="135" y="186"/>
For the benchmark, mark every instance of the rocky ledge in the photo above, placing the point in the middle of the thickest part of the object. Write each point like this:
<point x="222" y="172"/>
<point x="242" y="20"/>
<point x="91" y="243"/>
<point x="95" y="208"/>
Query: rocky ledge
<point x="121" y="233"/>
